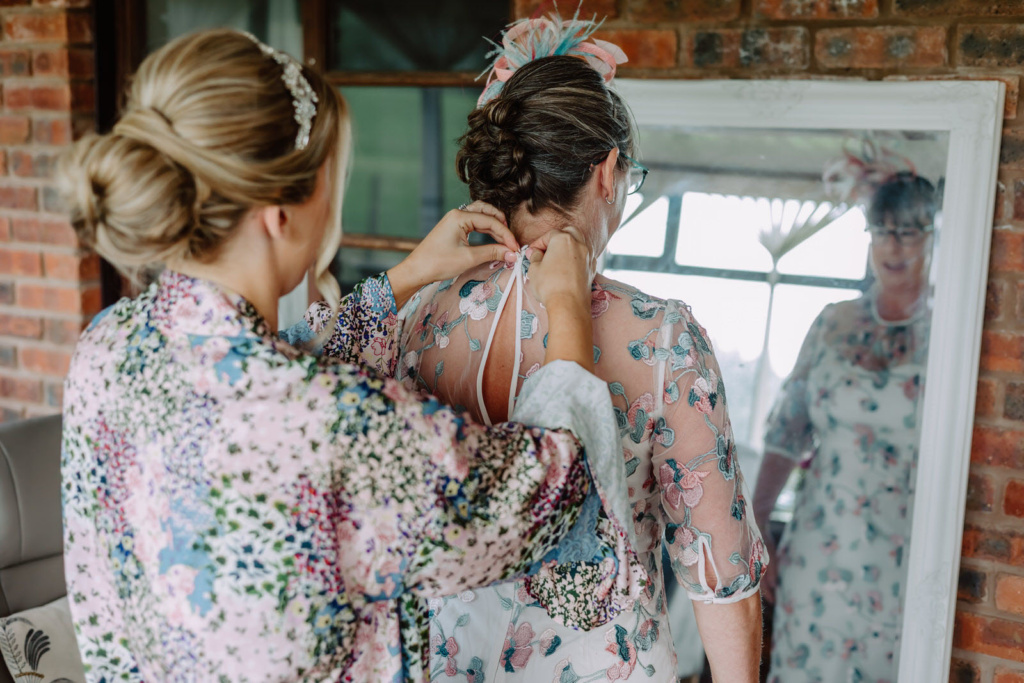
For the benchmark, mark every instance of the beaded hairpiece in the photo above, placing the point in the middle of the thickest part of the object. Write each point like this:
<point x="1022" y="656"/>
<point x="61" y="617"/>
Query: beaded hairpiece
<point x="864" y="167"/>
<point x="304" y="100"/>
<point x="530" y="39"/>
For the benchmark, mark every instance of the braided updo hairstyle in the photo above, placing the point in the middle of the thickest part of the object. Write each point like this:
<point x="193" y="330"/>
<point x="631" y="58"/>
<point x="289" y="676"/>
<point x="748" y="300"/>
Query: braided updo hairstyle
<point x="536" y="140"/>
<point x="208" y="133"/>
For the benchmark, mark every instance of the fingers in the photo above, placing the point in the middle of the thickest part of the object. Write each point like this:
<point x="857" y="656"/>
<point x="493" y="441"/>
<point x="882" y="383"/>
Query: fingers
<point x="485" y="253"/>
<point x="483" y="207"/>
<point x="475" y="221"/>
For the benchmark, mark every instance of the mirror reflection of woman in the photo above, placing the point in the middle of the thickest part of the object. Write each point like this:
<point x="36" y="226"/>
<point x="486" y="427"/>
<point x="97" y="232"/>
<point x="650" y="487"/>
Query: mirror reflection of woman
<point x="848" y="415"/>
<point x="236" y="508"/>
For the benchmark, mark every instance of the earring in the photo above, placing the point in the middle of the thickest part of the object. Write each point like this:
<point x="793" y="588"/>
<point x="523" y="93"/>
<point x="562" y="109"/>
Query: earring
<point x="610" y="201"/>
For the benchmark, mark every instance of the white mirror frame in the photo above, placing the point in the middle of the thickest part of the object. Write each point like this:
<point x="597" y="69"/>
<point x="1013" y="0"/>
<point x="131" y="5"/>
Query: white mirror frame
<point x="972" y="113"/>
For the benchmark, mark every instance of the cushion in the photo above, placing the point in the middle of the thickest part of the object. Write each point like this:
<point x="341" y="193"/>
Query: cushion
<point x="39" y="645"/>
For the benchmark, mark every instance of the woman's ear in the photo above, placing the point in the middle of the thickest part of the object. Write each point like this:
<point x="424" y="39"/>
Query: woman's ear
<point x="605" y="172"/>
<point x="275" y="220"/>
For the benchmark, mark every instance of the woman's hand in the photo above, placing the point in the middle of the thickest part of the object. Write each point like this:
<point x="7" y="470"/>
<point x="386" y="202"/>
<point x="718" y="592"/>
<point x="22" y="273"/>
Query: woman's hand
<point x="560" y="266"/>
<point x="561" y="271"/>
<point x="446" y="252"/>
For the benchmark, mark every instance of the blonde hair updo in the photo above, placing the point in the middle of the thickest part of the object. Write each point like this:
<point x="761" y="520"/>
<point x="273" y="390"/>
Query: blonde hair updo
<point x="208" y="133"/>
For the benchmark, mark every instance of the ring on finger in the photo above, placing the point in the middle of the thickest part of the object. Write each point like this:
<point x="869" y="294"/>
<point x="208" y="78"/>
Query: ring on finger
<point x="462" y="207"/>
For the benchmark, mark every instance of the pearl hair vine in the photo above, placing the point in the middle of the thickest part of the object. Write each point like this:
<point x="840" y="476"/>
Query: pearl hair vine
<point x="304" y="100"/>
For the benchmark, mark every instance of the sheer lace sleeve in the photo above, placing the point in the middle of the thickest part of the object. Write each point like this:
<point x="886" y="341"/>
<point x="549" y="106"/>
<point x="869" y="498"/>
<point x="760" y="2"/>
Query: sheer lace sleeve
<point x="789" y="431"/>
<point x="713" y="542"/>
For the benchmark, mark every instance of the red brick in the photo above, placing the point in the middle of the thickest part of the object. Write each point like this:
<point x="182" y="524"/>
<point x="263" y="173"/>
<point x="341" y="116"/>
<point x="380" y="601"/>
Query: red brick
<point x="999" y="447"/>
<point x="1011" y="149"/>
<point x="989" y="636"/>
<point x="15" y="197"/>
<point x="990" y="45"/>
<point x="993" y="544"/>
<point x="646" y="48"/>
<point x="63" y="332"/>
<point x="950" y="8"/>
<point x="5" y="229"/>
<point x="881" y="47"/>
<point x="21" y="389"/>
<point x="21" y="263"/>
<point x="36" y="27"/>
<point x="71" y="266"/>
<point x="995" y="299"/>
<point x="985" y="397"/>
<point x="980" y="493"/>
<point x="52" y="131"/>
<point x="1002" y="352"/>
<point x="1012" y="83"/>
<point x="28" y="164"/>
<point x="7" y="293"/>
<point x="81" y="63"/>
<point x="44" y="231"/>
<point x="14" y="63"/>
<point x="45" y="361"/>
<point x="816" y="9"/>
<point x="1013" y="402"/>
<point x="756" y="48"/>
<point x="14" y="130"/>
<point x="1010" y="594"/>
<point x="665" y="11"/>
<point x="62" y="3"/>
<point x="79" y="27"/>
<point x="588" y="8"/>
<point x="961" y="671"/>
<point x="1003" y="675"/>
<point x="56" y="299"/>
<point x="53" y="200"/>
<point x="1013" y="499"/>
<point x="1019" y="308"/>
<point x="972" y="585"/>
<point x="31" y="96"/>
<point x="1007" y="254"/>
<point x="50" y="62"/>
<point x="28" y="327"/>
<point x="8" y="356"/>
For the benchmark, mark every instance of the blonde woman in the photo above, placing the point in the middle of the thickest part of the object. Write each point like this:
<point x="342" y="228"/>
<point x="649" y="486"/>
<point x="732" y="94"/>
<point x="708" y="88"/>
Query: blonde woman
<point x="236" y="509"/>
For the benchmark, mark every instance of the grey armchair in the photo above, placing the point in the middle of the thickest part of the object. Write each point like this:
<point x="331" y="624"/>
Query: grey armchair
<point x="31" y="534"/>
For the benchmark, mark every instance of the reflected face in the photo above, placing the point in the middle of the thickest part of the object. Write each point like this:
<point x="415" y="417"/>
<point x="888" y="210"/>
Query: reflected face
<point x="900" y="256"/>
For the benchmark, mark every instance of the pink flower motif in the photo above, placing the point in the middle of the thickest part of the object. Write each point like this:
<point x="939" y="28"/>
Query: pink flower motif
<point x="517" y="648"/>
<point x="693" y="490"/>
<point x="704" y="405"/>
<point x="446" y="648"/>
<point x="533" y="368"/>
<point x="912" y="387"/>
<point x="673" y="494"/>
<point x="475" y="305"/>
<point x="644" y="402"/>
<point x="379" y="347"/>
<point x="875" y="600"/>
<point x="423" y="323"/>
<point x="599" y="300"/>
<point x="622" y="647"/>
<point x="547" y="639"/>
<point x="685" y="537"/>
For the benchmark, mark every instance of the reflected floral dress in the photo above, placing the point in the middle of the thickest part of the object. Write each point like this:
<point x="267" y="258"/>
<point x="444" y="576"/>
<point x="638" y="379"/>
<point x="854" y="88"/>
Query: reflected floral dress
<point x="849" y="413"/>
<point x="673" y="436"/>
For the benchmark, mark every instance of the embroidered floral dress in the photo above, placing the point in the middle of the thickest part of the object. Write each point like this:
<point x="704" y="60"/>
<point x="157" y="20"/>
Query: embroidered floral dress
<point x="238" y="510"/>
<point x="672" y="434"/>
<point x="849" y="414"/>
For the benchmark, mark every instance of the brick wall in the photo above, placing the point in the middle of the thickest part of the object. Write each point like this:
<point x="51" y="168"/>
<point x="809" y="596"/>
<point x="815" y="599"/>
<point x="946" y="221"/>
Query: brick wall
<point x="896" y="39"/>
<point x="48" y="287"/>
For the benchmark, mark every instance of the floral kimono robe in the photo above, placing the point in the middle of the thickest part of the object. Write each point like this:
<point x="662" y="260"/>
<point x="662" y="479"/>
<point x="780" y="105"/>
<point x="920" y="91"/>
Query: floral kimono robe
<point x="671" y="433"/>
<point x="238" y="510"/>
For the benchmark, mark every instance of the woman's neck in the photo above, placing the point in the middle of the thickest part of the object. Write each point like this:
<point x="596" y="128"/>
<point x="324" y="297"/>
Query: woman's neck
<point x="261" y="292"/>
<point x="528" y="227"/>
<point x="900" y="304"/>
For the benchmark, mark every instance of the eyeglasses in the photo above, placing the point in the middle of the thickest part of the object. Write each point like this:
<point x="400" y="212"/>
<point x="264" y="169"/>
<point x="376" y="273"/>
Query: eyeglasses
<point x="636" y="175"/>
<point x="905" y="236"/>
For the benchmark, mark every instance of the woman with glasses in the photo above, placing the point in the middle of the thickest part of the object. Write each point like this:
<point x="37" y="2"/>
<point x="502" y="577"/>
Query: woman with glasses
<point x="848" y="415"/>
<point x="558" y="146"/>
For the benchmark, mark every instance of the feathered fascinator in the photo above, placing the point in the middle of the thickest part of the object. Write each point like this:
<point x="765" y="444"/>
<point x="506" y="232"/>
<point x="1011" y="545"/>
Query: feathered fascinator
<point x="530" y="39"/>
<point x="864" y="167"/>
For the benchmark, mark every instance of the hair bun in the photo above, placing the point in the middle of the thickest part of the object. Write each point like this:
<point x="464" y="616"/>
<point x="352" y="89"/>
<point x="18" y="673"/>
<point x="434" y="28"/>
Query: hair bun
<point x="501" y="111"/>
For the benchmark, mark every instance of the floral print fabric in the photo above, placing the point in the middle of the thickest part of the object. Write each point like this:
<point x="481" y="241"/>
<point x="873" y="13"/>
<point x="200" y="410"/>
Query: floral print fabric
<point x="673" y="434"/>
<point x="849" y="413"/>
<point x="236" y="509"/>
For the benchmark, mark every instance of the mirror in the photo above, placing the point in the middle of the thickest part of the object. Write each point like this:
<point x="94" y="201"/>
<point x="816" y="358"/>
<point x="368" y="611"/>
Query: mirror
<point x="812" y="227"/>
